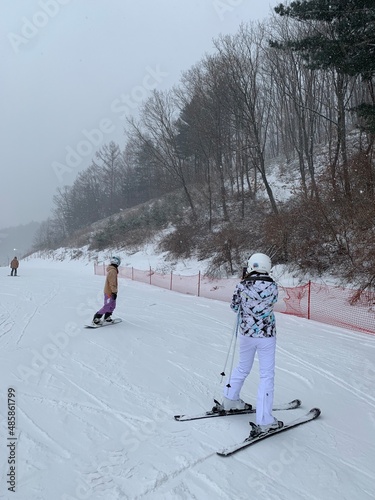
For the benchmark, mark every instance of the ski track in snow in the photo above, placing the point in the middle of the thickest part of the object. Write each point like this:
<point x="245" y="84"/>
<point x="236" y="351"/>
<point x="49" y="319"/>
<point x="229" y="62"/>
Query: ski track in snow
<point x="296" y="375"/>
<point x="367" y="398"/>
<point x="122" y="416"/>
<point x="165" y="478"/>
<point x="52" y="443"/>
<point x="278" y="485"/>
<point x="27" y="296"/>
<point x="6" y="325"/>
<point x="28" y="322"/>
<point x="357" y="472"/>
<point x="72" y="408"/>
<point x="130" y="389"/>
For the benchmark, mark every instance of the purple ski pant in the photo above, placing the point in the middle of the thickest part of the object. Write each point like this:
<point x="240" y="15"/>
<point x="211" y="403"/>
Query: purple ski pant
<point x="109" y="305"/>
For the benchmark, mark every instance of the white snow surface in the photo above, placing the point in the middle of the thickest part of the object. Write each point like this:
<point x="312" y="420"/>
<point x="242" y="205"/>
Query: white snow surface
<point x="94" y="408"/>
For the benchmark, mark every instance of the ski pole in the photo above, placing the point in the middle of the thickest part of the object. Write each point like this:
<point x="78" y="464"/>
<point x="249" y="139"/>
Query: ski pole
<point x="234" y="337"/>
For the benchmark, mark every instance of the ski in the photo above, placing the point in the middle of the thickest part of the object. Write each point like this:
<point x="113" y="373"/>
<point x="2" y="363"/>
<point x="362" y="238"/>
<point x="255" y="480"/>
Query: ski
<point x="311" y="415"/>
<point x="113" y="322"/>
<point x="215" y="412"/>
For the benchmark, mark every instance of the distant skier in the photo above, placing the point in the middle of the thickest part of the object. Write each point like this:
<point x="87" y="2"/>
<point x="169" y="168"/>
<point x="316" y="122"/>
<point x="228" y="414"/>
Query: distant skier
<point x="110" y="293"/>
<point x="254" y="299"/>
<point x="14" y="266"/>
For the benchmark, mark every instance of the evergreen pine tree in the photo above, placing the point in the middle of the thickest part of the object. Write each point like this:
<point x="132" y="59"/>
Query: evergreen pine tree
<point x="340" y="36"/>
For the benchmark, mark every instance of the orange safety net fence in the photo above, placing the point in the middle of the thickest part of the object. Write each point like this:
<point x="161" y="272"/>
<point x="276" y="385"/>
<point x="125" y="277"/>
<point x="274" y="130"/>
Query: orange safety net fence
<point x="332" y="305"/>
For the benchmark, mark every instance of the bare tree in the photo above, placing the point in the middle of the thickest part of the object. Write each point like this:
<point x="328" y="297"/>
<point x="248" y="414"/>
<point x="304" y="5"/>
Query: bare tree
<point x="249" y="93"/>
<point x="110" y="157"/>
<point x="157" y="130"/>
<point x="297" y="107"/>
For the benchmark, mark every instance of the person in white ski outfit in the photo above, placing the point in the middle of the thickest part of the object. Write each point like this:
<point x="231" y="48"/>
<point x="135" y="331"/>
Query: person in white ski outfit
<point x="253" y="300"/>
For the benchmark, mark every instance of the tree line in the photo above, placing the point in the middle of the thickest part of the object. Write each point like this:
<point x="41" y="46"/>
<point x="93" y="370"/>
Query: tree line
<point x="292" y="95"/>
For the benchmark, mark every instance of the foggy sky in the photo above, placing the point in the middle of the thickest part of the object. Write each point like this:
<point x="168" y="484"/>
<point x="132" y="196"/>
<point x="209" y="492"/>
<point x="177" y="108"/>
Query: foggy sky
<point x="72" y="70"/>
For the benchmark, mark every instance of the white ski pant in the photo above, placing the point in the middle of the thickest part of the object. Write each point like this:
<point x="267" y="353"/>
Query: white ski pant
<point x="266" y="348"/>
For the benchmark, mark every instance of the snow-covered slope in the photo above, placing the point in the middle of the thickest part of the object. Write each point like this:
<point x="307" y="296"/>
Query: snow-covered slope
<point x="94" y="408"/>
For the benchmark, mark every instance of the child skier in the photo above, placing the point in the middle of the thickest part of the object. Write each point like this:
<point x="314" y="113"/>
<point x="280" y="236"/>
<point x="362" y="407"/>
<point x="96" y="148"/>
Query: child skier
<point x="110" y="293"/>
<point x="254" y="299"/>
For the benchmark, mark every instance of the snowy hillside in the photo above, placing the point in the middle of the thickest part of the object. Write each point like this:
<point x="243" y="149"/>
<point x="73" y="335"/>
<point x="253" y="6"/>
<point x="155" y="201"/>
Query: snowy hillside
<point x="94" y="408"/>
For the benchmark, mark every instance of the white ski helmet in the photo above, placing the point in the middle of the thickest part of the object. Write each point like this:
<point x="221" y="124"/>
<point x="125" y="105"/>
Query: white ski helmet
<point x="260" y="263"/>
<point x="116" y="261"/>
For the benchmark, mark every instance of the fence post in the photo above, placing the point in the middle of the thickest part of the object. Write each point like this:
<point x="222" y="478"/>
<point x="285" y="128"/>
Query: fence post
<point x="309" y="299"/>
<point x="199" y="283"/>
<point x="170" y="284"/>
